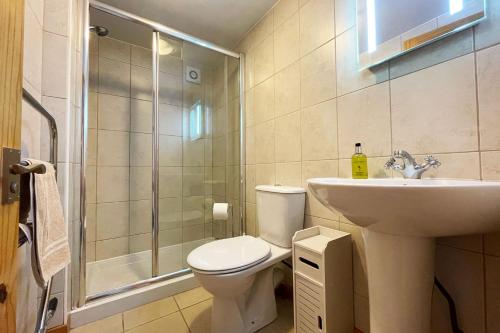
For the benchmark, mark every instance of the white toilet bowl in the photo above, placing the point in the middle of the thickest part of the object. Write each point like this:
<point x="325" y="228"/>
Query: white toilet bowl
<point x="243" y="290"/>
<point x="239" y="271"/>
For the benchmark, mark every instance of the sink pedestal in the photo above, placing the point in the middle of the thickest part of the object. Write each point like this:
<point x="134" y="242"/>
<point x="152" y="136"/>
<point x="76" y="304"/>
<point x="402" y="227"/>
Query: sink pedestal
<point x="400" y="281"/>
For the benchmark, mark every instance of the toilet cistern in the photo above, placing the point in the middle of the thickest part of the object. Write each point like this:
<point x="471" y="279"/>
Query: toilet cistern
<point x="408" y="166"/>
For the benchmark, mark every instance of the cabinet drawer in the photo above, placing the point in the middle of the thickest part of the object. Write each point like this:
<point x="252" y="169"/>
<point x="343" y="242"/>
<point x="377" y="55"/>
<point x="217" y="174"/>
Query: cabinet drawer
<point x="309" y="264"/>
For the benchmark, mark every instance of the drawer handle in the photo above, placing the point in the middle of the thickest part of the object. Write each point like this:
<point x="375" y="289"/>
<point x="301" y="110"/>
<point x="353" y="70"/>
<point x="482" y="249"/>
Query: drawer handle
<point x="309" y="262"/>
<point x="320" y="323"/>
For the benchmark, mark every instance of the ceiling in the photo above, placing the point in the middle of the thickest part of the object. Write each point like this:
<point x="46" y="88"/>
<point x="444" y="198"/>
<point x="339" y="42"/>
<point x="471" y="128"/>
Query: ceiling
<point x="223" y="22"/>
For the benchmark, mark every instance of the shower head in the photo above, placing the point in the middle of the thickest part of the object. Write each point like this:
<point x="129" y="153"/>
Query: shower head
<point x="99" y="30"/>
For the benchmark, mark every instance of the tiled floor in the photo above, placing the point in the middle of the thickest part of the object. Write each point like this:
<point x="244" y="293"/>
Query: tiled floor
<point x="188" y="312"/>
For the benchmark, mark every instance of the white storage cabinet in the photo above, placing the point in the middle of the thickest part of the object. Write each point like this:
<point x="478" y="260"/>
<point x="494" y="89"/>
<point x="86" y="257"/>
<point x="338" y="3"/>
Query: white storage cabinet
<point x="322" y="281"/>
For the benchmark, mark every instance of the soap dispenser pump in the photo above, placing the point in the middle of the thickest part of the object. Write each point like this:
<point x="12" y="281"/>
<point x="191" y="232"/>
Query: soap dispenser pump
<point x="359" y="163"/>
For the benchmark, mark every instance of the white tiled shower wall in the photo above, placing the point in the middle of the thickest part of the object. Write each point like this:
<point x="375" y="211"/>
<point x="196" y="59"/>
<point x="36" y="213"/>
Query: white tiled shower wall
<point x="46" y="76"/>
<point x="307" y="104"/>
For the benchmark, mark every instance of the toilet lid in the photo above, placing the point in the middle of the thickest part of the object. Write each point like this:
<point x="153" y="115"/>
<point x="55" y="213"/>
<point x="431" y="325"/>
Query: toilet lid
<point x="229" y="254"/>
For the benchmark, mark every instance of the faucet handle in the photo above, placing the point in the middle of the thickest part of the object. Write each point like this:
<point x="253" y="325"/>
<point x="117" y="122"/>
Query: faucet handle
<point x="390" y="163"/>
<point x="430" y="160"/>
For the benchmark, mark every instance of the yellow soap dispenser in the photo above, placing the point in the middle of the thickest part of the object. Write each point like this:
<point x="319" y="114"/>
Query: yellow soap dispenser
<point x="359" y="163"/>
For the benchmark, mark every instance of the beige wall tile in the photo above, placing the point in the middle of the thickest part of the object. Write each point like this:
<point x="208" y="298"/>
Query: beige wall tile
<point x="110" y="324"/>
<point x="140" y="149"/>
<point x="170" y="237"/>
<point x="140" y="243"/>
<point x="249" y="108"/>
<point x="492" y="291"/>
<point x="434" y="110"/>
<point x="265" y="174"/>
<point x="289" y="174"/>
<point x="171" y="64"/>
<point x="488" y="85"/>
<point x="170" y="213"/>
<point x="490" y="165"/>
<point x="170" y="89"/>
<point x="264" y="101"/>
<point x="141" y="118"/>
<point x="345" y="15"/>
<point x="170" y="120"/>
<point x="141" y="83"/>
<point x="455" y="165"/>
<point x="91" y="188"/>
<point x="250" y="183"/>
<point x="265" y="142"/>
<point x="262" y="29"/>
<point x="170" y="182"/>
<point x="91" y="222"/>
<point x="112" y="220"/>
<point x="112" y="184"/>
<point x="264" y="60"/>
<point x="54" y="65"/>
<point x="141" y="56"/>
<point x="113" y="148"/>
<point x="191" y="297"/>
<point x="140" y="216"/>
<point x="288" y="147"/>
<point x="365" y="116"/>
<point x="283" y="10"/>
<point x="286" y="43"/>
<point x="192" y="181"/>
<point x="170" y="150"/>
<point x="111" y="248"/>
<point x="91" y="147"/>
<point x="486" y="34"/>
<point x="376" y="168"/>
<point x="250" y="145"/>
<point x="319" y="131"/>
<point x="92" y="106"/>
<point x="349" y="76"/>
<point x="317" y="75"/>
<point x="198" y="317"/>
<point x="193" y="214"/>
<point x="312" y="169"/>
<point x="114" y="49"/>
<point x="462" y="274"/>
<point x="287" y="90"/>
<point x="251" y="228"/>
<point x="317" y="24"/>
<point x="113" y="112"/>
<point x="32" y="49"/>
<point x="114" y="77"/>
<point x="174" y="322"/>
<point x="140" y="183"/>
<point x="313" y="221"/>
<point x="149" y="312"/>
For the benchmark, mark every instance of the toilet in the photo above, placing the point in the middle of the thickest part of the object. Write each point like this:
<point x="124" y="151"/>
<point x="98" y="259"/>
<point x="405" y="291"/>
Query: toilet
<point x="238" y="271"/>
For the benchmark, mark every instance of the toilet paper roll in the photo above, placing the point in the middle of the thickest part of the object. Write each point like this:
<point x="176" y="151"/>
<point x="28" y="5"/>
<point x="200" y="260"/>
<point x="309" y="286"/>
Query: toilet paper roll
<point x="220" y="211"/>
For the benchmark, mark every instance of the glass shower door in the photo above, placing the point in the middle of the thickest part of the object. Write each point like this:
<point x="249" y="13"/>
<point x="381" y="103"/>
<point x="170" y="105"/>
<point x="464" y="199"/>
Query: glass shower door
<point x="196" y="149"/>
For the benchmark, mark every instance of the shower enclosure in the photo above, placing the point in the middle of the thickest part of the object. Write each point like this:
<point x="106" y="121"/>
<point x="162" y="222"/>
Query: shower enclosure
<point x="162" y="138"/>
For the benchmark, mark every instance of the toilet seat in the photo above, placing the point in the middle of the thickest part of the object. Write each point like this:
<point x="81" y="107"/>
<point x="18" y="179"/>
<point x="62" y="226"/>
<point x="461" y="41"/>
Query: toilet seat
<point x="229" y="255"/>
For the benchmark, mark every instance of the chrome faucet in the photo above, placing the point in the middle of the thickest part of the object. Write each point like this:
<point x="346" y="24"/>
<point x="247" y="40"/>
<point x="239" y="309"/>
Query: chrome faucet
<point x="408" y="167"/>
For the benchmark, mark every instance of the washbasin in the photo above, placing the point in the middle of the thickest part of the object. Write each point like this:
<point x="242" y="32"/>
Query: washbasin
<point x="400" y="219"/>
<point x="414" y="207"/>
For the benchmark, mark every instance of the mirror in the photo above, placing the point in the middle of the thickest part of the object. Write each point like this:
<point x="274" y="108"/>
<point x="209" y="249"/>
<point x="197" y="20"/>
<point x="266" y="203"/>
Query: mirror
<point x="388" y="28"/>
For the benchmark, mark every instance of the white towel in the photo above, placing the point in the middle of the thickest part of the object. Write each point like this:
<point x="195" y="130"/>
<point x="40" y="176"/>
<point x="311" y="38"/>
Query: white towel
<point x="50" y="229"/>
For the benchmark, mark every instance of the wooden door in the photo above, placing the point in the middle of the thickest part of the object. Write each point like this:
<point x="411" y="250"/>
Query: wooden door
<point x="11" y="55"/>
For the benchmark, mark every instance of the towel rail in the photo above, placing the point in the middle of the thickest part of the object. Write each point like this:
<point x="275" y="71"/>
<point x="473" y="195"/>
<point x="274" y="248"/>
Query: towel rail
<point x="47" y="306"/>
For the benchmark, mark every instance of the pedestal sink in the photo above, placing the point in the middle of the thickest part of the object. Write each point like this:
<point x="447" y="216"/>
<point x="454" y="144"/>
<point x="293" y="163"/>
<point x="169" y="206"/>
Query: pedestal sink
<point x="400" y="219"/>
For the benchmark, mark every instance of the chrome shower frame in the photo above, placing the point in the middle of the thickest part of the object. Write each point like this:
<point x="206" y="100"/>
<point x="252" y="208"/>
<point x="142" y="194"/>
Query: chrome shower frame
<point x="81" y="297"/>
